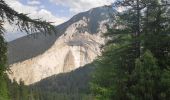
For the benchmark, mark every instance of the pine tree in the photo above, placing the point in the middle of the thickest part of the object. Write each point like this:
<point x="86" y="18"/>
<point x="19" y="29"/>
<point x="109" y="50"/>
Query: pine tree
<point x="4" y="93"/>
<point x="24" y="23"/>
<point x="146" y="76"/>
<point x="135" y="64"/>
<point x="149" y="79"/>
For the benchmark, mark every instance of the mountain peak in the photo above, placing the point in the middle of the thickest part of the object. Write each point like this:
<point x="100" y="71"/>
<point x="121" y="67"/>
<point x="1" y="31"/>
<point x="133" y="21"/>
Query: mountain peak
<point x="77" y="44"/>
<point x="93" y="18"/>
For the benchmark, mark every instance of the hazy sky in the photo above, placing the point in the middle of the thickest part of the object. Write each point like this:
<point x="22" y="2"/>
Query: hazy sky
<point x="56" y="11"/>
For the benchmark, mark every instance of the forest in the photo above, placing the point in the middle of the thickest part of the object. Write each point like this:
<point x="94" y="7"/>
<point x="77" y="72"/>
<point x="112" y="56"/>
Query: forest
<point x="134" y="65"/>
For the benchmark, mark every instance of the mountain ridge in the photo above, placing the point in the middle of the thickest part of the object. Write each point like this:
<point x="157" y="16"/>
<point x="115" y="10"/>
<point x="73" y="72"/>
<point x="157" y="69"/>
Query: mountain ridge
<point x="77" y="44"/>
<point x="34" y="40"/>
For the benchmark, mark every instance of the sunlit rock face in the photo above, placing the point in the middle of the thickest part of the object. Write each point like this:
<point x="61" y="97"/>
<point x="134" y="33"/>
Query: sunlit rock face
<point x="78" y="45"/>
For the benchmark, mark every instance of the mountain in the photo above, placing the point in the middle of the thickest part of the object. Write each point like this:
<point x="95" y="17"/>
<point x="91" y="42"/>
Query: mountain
<point x="73" y="85"/>
<point x="76" y="44"/>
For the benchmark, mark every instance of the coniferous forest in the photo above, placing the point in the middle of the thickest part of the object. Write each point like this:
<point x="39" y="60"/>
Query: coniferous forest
<point x="67" y="86"/>
<point x="134" y="65"/>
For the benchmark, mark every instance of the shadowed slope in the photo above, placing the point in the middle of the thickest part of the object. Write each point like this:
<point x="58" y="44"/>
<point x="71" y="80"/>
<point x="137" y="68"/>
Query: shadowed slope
<point x="72" y="82"/>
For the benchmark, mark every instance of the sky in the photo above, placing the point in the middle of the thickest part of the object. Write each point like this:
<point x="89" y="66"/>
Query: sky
<point x="56" y="11"/>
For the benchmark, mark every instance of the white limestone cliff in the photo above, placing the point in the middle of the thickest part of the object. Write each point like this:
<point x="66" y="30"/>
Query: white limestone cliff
<point x="78" y="45"/>
<point x="68" y="53"/>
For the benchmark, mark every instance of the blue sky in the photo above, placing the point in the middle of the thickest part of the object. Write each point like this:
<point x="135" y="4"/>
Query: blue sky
<point x="59" y="10"/>
<point x="56" y="11"/>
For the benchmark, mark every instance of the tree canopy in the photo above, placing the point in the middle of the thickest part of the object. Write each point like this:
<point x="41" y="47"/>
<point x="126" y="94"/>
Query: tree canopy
<point x="24" y="24"/>
<point x="135" y="61"/>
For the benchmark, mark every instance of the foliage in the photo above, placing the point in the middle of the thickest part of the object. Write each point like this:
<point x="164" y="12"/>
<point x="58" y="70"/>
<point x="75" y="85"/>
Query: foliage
<point x="135" y="61"/>
<point x="66" y="86"/>
<point x="3" y="89"/>
<point x="21" y="20"/>
<point x="3" y="58"/>
<point x="24" y="23"/>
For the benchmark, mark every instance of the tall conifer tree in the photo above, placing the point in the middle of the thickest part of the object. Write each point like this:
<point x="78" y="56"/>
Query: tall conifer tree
<point x="135" y="63"/>
<point x="24" y="23"/>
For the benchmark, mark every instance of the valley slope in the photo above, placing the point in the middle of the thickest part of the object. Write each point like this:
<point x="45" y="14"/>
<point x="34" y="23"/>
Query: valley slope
<point x="76" y="44"/>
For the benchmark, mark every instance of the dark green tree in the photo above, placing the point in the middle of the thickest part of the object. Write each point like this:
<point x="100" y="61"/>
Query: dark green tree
<point x="24" y="23"/>
<point x="4" y="93"/>
<point x="148" y="79"/>
<point x="136" y="57"/>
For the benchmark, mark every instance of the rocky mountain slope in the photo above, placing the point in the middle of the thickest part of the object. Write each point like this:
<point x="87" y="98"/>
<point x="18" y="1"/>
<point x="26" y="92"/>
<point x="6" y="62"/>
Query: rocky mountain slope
<point x="76" y="44"/>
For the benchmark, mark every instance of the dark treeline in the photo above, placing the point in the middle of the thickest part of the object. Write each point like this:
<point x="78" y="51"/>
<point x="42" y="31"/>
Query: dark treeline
<point x="67" y="86"/>
<point x="135" y="64"/>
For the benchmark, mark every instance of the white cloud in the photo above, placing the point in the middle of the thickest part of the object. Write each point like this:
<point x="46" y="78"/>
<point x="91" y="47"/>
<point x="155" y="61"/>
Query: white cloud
<point x="44" y="14"/>
<point x="16" y="5"/>
<point x="33" y="12"/>
<point x="34" y="2"/>
<point x="82" y="5"/>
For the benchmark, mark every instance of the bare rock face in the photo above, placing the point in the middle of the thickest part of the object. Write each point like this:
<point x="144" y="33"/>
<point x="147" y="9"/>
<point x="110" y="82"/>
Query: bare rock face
<point x="75" y="47"/>
<point x="69" y="62"/>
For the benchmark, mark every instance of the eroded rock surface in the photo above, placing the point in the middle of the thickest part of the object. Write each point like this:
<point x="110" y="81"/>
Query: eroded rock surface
<point x="77" y="46"/>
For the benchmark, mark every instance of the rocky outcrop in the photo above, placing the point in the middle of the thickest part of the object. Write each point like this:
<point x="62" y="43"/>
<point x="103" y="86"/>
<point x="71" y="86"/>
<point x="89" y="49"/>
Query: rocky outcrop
<point x="69" y="63"/>
<point x="75" y="47"/>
